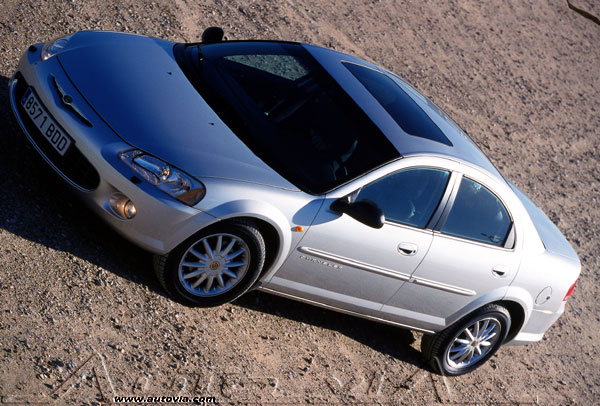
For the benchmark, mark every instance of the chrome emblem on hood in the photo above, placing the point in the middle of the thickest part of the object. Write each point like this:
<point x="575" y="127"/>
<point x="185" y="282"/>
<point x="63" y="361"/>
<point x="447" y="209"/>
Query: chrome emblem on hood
<point x="67" y="101"/>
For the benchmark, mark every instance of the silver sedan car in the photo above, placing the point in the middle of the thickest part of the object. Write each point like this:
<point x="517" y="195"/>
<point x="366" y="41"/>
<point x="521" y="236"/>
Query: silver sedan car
<point x="302" y="172"/>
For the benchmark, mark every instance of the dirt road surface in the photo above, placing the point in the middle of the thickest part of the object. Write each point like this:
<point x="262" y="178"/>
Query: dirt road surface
<point x="82" y="318"/>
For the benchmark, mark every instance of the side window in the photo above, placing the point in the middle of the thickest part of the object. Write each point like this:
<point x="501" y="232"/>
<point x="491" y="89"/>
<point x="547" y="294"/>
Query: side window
<point x="409" y="196"/>
<point x="477" y="214"/>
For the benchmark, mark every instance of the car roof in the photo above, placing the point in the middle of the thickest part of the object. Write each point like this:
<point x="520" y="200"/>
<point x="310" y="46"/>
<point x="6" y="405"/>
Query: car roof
<point x="462" y="148"/>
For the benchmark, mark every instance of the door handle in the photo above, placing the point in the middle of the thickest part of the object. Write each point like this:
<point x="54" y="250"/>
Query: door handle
<point x="500" y="271"/>
<point x="407" y="248"/>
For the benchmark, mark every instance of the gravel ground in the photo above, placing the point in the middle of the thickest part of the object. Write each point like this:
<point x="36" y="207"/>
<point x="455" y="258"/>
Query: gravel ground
<point x="83" y="319"/>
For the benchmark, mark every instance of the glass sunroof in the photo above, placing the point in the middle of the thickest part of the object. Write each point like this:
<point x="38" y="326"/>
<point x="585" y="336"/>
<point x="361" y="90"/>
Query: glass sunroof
<point x="403" y="109"/>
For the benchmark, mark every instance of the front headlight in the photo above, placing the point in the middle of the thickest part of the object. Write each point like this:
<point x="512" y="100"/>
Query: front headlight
<point x="172" y="181"/>
<point x="53" y="47"/>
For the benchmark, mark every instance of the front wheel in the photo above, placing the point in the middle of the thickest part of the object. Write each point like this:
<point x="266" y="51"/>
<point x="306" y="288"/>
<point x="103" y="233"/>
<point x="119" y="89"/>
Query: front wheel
<point x="468" y="343"/>
<point x="214" y="266"/>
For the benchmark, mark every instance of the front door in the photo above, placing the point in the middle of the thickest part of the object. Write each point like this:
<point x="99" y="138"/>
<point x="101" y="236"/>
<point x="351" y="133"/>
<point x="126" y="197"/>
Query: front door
<point x="346" y="264"/>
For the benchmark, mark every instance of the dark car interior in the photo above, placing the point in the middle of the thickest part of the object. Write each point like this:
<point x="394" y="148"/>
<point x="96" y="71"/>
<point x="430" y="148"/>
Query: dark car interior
<point x="290" y="112"/>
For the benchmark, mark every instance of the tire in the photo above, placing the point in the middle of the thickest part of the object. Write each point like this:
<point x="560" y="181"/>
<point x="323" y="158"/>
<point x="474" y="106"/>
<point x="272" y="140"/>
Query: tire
<point x="214" y="266"/>
<point x="461" y="347"/>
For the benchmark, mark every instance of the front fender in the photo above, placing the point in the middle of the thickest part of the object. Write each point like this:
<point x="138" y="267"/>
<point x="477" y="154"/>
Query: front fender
<point x="265" y="212"/>
<point x="282" y="209"/>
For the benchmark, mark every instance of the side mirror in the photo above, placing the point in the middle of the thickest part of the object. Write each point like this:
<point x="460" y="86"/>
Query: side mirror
<point x="365" y="211"/>
<point x="212" y="35"/>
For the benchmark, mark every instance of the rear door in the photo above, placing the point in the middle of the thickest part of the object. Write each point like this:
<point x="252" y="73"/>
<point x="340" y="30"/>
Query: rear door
<point x="472" y="256"/>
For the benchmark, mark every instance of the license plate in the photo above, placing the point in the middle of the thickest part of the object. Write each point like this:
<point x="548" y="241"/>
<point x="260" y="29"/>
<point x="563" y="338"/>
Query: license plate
<point x="45" y="123"/>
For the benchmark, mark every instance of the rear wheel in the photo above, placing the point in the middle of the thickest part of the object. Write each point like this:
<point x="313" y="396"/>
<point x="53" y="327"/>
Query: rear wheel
<point x="214" y="266"/>
<point x="468" y="343"/>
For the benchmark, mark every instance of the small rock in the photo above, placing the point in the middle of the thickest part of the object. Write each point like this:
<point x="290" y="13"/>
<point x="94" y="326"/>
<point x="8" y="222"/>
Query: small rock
<point x="57" y="363"/>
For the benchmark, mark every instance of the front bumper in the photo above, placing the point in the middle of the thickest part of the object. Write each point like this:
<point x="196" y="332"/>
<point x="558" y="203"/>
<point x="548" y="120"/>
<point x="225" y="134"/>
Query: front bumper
<point x="91" y="166"/>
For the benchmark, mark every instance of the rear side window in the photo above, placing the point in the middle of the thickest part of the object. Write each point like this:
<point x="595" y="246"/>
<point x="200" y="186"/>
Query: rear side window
<point x="409" y="196"/>
<point x="477" y="214"/>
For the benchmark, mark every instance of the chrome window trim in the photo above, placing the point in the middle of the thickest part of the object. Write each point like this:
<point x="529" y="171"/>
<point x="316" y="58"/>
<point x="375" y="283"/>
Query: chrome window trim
<point x="466" y="240"/>
<point x="447" y="199"/>
<point x="511" y="238"/>
<point x="449" y="204"/>
<point x="407" y="226"/>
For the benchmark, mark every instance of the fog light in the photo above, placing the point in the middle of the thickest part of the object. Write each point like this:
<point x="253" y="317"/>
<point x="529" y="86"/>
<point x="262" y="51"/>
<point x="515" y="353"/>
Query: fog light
<point x="122" y="206"/>
<point x="129" y="209"/>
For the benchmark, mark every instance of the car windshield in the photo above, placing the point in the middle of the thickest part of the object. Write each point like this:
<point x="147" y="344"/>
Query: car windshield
<point x="288" y="110"/>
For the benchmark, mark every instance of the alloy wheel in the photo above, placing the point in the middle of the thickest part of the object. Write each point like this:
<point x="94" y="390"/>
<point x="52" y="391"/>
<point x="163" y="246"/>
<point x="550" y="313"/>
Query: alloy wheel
<point x="214" y="264"/>
<point x="473" y="343"/>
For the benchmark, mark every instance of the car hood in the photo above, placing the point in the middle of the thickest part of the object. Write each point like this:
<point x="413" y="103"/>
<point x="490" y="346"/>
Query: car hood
<point x="553" y="240"/>
<point x="135" y="85"/>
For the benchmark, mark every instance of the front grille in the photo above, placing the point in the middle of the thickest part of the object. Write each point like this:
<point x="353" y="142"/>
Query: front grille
<point x="73" y="165"/>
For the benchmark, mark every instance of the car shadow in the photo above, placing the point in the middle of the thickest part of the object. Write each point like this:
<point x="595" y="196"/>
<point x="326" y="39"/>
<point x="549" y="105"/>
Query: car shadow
<point x="386" y="339"/>
<point x="37" y="206"/>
